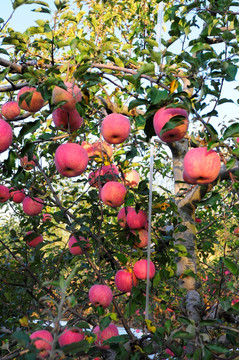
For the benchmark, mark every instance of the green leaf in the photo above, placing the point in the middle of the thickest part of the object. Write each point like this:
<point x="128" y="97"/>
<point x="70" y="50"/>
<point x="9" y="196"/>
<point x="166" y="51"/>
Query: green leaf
<point x="74" y="43"/>
<point x="231" y="266"/>
<point x="236" y="306"/>
<point x="29" y="128"/>
<point x="172" y="123"/>
<point x="211" y="201"/>
<point x="104" y="323"/>
<point x="3" y="51"/>
<point x="42" y="10"/>
<point x="73" y="348"/>
<point x="201" y="46"/>
<point x="145" y="69"/>
<point x="184" y="320"/>
<point x="231" y="72"/>
<point x="134" y="103"/>
<point x="21" y="338"/>
<point x="122" y="258"/>
<point x="156" y="280"/>
<point x="232" y="130"/>
<point x="18" y="3"/>
<point x="217" y="348"/>
<point x="208" y="322"/>
<point x="117" y="339"/>
<point x="183" y="335"/>
<point x="157" y="96"/>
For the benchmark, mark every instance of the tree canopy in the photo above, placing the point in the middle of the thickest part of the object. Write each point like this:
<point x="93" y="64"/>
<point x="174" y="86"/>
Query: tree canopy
<point x="83" y="93"/>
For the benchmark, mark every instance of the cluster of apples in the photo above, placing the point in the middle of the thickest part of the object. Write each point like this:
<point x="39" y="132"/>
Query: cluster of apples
<point x="200" y="166"/>
<point x="11" y="109"/>
<point x="43" y="339"/>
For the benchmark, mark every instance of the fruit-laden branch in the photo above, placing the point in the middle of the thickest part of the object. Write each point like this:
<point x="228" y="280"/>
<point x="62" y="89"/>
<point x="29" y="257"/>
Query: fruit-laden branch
<point x="68" y="216"/>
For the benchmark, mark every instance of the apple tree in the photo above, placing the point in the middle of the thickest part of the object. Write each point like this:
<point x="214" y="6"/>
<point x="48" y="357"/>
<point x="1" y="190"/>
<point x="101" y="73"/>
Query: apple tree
<point x="119" y="180"/>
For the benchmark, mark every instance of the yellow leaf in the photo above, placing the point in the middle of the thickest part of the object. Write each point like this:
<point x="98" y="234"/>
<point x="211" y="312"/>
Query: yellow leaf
<point x="173" y="86"/>
<point x="90" y="339"/>
<point x="137" y="347"/>
<point x="150" y="326"/>
<point x="162" y="206"/>
<point x="23" y="321"/>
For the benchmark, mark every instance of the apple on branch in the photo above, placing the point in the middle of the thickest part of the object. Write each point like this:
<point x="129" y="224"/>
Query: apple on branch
<point x="33" y="101"/>
<point x="115" y="128"/>
<point x="201" y="166"/>
<point x="10" y="110"/>
<point x="67" y="120"/>
<point x="140" y="269"/>
<point x="122" y="214"/>
<point x="74" y="248"/>
<point x="113" y="194"/>
<point x="136" y="219"/>
<point x="71" y="159"/>
<point x="132" y="178"/>
<point x="125" y="280"/>
<point x="69" y="336"/>
<point x="71" y="95"/>
<point x="102" y="149"/>
<point x="42" y="340"/>
<point x="37" y="239"/>
<point x="142" y="238"/>
<point x="177" y="118"/>
<point x="16" y="195"/>
<point x="4" y="194"/>
<point x="100" y="295"/>
<point x="105" y="334"/>
<point x="6" y="135"/>
<point x="32" y="206"/>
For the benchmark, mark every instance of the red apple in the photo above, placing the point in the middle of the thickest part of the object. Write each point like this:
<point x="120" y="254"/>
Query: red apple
<point x="34" y="242"/>
<point x="42" y="340"/>
<point x="4" y="194"/>
<point x="132" y="178"/>
<point x="121" y="217"/>
<point x="89" y="148"/>
<point x="100" y="295"/>
<point x="6" y="135"/>
<point x="197" y="220"/>
<point x="72" y="96"/>
<point x="71" y="159"/>
<point x="125" y="280"/>
<point x="17" y="196"/>
<point x="70" y="336"/>
<point x="10" y="110"/>
<point x="140" y="269"/>
<point x="105" y="334"/>
<point x="201" y="166"/>
<point x="28" y="165"/>
<point x="113" y="194"/>
<point x="36" y="102"/>
<point x="236" y="231"/>
<point x="67" y="120"/>
<point x="76" y="250"/>
<point x="115" y="128"/>
<point x="136" y="220"/>
<point x="143" y="238"/>
<point x="46" y="217"/>
<point x="162" y="116"/>
<point x="107" y="173"/>
<point x="102" y="148"/>
<point x="32" y="206"/>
